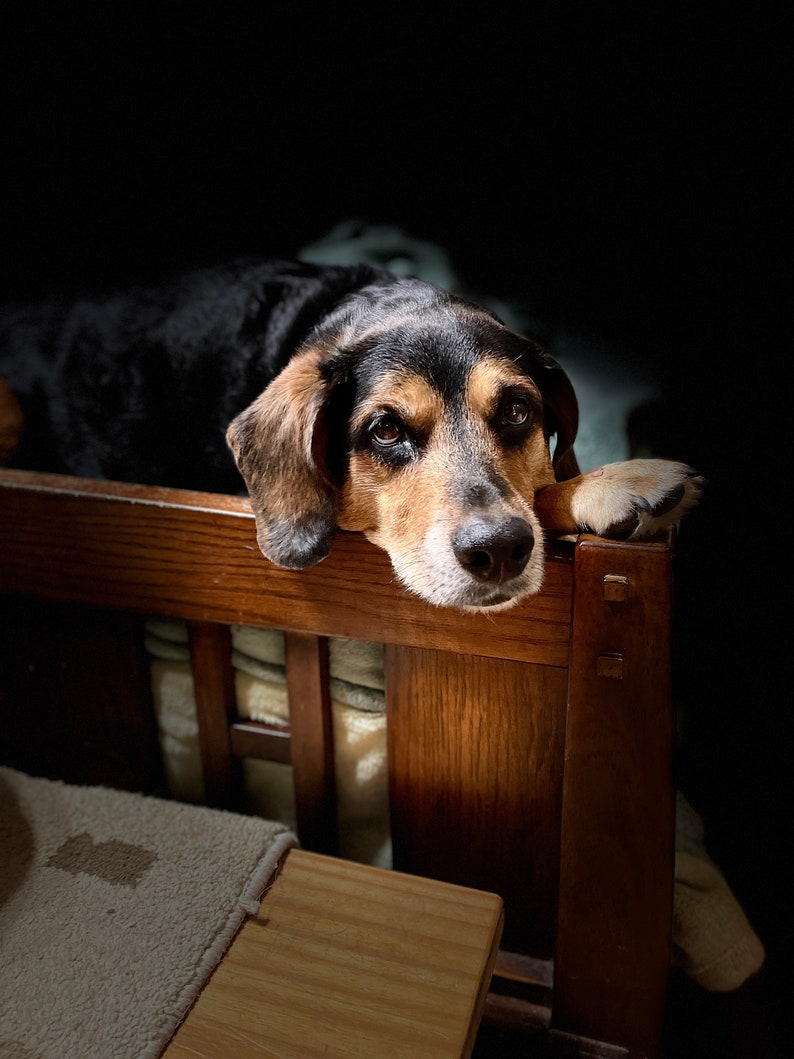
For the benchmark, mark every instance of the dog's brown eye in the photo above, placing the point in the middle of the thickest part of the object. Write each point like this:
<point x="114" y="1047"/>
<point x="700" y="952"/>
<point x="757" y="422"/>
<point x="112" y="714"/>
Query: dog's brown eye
<point x="387" y="430"/>
<point x="515" y="411"/>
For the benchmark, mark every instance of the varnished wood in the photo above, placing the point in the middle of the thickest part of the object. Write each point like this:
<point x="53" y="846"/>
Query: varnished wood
<point x="213" y="690"/>
<point x="618" y="821"/>
<point x="311" y="725"/>
<point x="257" y="740"/>
<point x="348" y="960"/>
<point x="475" y="764"/>
<point x="195" y="555"/>
<point x="529" y="752"/>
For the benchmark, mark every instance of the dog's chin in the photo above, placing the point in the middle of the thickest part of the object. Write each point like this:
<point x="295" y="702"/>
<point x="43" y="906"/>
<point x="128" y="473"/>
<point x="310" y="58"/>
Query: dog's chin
<point x="460" y="591"/>
<point x="495" y="606"/>
<point x="476" y="602"/>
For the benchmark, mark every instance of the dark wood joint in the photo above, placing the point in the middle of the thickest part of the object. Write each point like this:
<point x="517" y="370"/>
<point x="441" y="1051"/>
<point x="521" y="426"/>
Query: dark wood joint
<point x="616" y="588"/>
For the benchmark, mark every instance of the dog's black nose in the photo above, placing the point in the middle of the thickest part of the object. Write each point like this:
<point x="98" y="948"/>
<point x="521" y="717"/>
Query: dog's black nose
<point x="494" y="550"/>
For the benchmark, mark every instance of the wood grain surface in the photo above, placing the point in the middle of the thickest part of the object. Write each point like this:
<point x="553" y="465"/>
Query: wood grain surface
<point x="195" y="555"/>
<point x="344" y="959"/>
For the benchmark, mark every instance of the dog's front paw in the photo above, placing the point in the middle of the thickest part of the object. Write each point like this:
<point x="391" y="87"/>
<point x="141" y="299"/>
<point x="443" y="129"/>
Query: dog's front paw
<point x="635" y="498"/>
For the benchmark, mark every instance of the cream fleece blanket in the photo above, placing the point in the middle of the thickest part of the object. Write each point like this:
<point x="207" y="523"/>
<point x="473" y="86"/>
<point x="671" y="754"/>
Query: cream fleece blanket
<point x="713" y="942"/>
<point x="114" y="910"/>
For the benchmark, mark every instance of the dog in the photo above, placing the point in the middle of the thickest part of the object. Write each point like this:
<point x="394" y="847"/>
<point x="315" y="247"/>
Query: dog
<point x="340" y="398"/>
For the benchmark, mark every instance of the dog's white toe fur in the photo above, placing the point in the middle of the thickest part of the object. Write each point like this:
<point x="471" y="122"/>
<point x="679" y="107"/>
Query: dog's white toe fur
<point x="613" y="494"/>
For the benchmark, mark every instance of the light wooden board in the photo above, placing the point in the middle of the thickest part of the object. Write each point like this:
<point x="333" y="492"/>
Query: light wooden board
<point x="347" y="960"/>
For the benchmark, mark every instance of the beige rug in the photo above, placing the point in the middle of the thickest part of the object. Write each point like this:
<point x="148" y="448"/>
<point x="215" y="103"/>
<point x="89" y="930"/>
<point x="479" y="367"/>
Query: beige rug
<point x="114" y="909"/>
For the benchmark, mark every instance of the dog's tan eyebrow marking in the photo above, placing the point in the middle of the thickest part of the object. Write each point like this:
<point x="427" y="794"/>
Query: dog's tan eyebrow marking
<point x="408" y="394"/>
<point x="489" y="378"/>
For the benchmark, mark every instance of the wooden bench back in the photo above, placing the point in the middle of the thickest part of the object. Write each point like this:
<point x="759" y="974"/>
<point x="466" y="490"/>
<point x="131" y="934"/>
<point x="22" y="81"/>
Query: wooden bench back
<point x="530" y="752"/>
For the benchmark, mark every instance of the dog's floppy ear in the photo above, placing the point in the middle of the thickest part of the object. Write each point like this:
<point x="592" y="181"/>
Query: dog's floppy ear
<point x="562" y="416"/>
<point x="279" y="443"/>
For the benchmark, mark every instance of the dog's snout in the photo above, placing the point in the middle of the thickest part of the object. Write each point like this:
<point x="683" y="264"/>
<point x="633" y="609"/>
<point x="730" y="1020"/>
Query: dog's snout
<point x="494" y="550"/>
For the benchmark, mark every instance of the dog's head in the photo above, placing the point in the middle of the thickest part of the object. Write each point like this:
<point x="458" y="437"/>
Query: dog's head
<point x="417" y="418"/>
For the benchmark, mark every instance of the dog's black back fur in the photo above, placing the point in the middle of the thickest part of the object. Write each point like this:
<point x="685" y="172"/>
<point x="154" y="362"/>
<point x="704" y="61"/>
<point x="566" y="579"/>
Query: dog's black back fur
<point x="141" y="385"/>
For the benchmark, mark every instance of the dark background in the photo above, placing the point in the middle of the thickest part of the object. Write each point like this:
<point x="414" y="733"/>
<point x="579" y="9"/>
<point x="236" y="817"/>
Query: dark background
<point x="620" y="171"/>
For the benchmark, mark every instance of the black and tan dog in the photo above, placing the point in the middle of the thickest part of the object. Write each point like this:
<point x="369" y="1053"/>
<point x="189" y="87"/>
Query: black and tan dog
<point x="351" y="399"/>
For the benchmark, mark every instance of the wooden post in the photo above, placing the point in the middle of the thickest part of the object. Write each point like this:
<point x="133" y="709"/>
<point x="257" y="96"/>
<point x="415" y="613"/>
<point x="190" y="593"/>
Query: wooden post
<point x="618" y="814"/>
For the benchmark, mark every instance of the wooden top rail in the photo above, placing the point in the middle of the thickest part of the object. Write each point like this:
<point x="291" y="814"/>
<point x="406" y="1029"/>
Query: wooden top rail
<point x="195" y="555"/>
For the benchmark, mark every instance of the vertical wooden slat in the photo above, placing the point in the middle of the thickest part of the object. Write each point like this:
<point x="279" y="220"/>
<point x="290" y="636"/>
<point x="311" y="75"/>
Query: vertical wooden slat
<point x="213" y="677"/>
<point x="618" y="817"/>
<point x="312" y="749"/>
<point x="475" y="762"/>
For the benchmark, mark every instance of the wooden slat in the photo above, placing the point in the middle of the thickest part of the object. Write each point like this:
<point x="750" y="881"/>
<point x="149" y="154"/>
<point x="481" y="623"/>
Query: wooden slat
<point x="345" y="960"/>
<point x="616" y="871"/>
<point x="475" y="764"/>
<point x="518" y="967"/>
<point x="257" y="740"/>
<point x="195" y="555"/>
<point x="311" y="725"/>
<point x="213" y="689"/>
